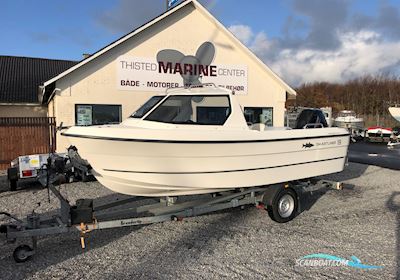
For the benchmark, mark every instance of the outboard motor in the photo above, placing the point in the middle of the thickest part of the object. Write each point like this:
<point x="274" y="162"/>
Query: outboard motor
<point x="311" y="118"/>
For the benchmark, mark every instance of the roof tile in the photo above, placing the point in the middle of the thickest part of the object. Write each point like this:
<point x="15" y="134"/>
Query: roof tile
<point x="20" y="77"/>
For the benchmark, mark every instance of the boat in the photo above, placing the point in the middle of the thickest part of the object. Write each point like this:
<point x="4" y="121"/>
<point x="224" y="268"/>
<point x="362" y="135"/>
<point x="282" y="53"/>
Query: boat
<point x="379" y="134"/>
<point x="196" y="140"/>
<point x="395" y="112"/>
<point x="348" y="119"/>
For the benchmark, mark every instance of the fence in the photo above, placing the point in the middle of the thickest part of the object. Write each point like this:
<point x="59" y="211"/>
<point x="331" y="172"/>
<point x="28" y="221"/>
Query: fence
<point x="25" y="136"/>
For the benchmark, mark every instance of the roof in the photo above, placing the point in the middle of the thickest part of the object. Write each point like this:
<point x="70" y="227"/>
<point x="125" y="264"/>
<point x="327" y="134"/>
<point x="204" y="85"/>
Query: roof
<point x="47" y="94"/>
<point x="20" y="77"/>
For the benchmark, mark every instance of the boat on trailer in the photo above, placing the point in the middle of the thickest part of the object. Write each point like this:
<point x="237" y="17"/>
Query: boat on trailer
<point x="196" y="140"/>
<point x="189" y="141"/>
<point x="348" y="119"/>
<point x="379" y="134"/>
<point x="395" y="112"/>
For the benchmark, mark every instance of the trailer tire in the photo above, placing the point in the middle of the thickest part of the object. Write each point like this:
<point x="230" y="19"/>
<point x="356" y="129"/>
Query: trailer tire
<point x="13" y="185"/>
<point x="22" y="253"/>
<point x="284" y="206"/>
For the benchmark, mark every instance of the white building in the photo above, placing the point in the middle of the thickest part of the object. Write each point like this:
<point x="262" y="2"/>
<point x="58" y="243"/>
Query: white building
<point x="112" y="83"/>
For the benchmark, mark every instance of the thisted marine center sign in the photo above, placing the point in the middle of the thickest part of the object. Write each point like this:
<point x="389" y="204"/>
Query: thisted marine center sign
<point x="171" y="68"/>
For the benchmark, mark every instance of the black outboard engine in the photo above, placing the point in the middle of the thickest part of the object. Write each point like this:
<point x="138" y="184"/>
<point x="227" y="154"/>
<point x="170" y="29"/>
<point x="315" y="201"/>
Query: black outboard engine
<point x="311" y="118"/>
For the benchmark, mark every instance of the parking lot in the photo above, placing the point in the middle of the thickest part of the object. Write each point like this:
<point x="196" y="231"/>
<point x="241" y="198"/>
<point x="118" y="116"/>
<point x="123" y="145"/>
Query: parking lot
<point x="375" y="154"/>
<point x="362" y="220"/>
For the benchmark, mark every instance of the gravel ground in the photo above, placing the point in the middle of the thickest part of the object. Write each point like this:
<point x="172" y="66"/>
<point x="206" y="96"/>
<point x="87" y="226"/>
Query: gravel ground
<point x="361" y="220"/>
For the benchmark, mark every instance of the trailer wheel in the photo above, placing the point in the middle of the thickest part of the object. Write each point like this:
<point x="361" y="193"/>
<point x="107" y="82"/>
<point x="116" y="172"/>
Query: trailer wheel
<point x="22" y="253"/>
<point x="13" y="185"/>
<point x="284" y="206"/>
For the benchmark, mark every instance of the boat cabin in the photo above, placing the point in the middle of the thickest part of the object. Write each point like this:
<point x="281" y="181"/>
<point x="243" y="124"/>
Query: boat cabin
<point x="200" y="105"/>
<point x="207" y="105"/>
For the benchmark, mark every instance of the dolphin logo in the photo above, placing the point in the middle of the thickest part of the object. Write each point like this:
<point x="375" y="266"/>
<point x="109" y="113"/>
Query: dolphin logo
<point x="308" y="145"/>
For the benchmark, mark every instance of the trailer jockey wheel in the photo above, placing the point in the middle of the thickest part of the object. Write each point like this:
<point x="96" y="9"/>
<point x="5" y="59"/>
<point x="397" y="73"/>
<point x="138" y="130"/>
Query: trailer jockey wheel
<point x="22" y="253"/>
<point x="284" y="206"/>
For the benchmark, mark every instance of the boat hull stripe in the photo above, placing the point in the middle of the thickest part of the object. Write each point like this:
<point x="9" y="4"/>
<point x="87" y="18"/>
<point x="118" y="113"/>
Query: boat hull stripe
<point x="223" y="171"/>
<point x="200" y="141"/>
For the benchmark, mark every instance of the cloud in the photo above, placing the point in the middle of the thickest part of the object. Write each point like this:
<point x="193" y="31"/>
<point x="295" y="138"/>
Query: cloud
<point x="360" y="53"/>
<point x="325" y="41"/>
<point x="242" y="32"/>
<point x="130" y="14"/>
<point x="127" y="15"/>
<point x="80" y="39"/>
<point x="320" y="23"/>
<point x="41" y="37"/>
<point x="324" y="18"/>
<point x="387" y="21"/>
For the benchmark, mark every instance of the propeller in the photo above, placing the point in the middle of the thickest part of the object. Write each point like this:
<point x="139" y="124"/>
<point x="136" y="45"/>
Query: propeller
<point x="204" y="56"/>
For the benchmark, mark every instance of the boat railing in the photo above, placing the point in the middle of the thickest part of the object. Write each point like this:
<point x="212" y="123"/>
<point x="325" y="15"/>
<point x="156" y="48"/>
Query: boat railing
<point x="193" y="86"/>
<point x="314" y="125"/>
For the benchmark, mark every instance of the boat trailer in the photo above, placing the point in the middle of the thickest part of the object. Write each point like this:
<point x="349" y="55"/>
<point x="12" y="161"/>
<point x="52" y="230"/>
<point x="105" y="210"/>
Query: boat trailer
<point x="281" y="201"/>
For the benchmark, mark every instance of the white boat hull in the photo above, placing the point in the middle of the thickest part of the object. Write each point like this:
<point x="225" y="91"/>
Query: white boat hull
<point x="395" y="112"/>
<point x="186" y="166"/>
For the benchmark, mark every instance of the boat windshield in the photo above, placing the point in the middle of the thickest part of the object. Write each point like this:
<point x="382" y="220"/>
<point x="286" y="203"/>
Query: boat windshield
<point x="192" y="109"/>
<point x="146" y="107"/>
<point x="347" y="114"/>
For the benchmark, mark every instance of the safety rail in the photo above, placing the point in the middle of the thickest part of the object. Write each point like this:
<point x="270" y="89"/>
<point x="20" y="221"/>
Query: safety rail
<point x="192" y="86"/>
<point x="313" y="125"/>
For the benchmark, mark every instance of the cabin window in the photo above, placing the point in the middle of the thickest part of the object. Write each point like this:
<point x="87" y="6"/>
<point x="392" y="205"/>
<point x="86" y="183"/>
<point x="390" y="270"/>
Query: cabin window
<point x="94" y="114"/>
<point x="263" y="115"/>
<point x="146" y="107"/>
<point x="192" y="109"/>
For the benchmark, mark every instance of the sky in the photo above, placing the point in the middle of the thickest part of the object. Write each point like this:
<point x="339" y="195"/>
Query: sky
<point x="301" y="40"/>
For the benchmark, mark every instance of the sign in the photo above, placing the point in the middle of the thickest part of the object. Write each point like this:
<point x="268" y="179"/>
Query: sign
<point x="84" y="115"/>
<point x="34" y="161"/>
<point x="172" y="2"/>
<point x="147" y="74"/>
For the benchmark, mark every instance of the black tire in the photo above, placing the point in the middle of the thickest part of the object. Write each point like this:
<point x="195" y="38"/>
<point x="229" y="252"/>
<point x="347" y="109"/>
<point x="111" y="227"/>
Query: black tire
<point x="284" y="197"/>
<point x="22" y="253"/>
<point x="13" y="185"/>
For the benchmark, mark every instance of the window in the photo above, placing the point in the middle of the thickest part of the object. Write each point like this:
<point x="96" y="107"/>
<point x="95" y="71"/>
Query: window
<point x="193" y="109"/>
<point x="97" y="114"/>
<point x="211" y="115"/>
<point x="146" y="107"/>
<point x="259" y="115"/>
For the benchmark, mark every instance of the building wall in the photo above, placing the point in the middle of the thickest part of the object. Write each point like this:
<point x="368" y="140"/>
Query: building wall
<point x="185" y="30"/>
<point x="8" y="111"/>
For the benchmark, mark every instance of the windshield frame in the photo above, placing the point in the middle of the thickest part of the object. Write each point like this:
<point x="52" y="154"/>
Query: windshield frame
<point x="161" y="98"/>
<point x="194" y="123"/>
